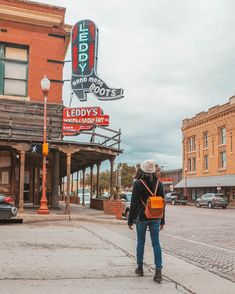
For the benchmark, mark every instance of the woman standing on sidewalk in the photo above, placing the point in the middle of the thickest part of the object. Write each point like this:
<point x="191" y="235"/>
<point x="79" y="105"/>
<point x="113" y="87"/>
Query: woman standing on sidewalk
<point x="146" y="175"/>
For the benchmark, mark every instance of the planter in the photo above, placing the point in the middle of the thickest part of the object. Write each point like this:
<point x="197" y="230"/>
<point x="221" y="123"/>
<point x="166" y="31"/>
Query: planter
<point x="113" y="207"/>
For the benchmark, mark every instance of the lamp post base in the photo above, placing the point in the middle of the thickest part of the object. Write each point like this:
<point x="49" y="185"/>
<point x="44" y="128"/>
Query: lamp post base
<point x="43" y="209"/>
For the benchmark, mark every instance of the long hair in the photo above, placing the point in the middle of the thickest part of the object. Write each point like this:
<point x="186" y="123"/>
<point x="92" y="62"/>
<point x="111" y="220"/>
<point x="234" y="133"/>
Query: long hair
<point x="149" y="177"/>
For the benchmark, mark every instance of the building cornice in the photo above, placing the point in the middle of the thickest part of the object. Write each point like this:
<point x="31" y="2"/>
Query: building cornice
<point x="33" y="17"/>
<point x="212" y="114"/>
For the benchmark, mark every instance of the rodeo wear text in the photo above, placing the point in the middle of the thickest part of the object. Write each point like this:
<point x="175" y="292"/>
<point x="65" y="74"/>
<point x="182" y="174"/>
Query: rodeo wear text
<point x="87" y="120"/>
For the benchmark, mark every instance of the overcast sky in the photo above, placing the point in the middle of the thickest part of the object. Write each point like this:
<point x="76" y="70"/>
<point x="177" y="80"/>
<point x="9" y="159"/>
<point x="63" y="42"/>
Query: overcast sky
<point x="173" y="59"/>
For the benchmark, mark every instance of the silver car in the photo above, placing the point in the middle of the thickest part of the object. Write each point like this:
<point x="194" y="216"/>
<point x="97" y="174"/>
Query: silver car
<point x="212" y="200"/>
<point x="7" y="207"/>
<point x="126" y="198"/>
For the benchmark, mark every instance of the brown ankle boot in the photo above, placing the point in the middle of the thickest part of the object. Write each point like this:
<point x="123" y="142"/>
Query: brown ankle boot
<point x="139" y="271"/>
<point x="158" y="275"/>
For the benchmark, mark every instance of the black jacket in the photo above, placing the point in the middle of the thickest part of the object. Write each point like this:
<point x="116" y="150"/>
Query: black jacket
<point x="139" y="193"/>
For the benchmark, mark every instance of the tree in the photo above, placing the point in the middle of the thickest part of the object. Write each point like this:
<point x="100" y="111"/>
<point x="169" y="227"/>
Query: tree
<point x="127" y="175"/>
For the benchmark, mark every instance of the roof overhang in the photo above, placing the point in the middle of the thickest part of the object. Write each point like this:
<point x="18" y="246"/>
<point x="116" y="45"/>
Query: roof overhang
<point x="212" y="181"/>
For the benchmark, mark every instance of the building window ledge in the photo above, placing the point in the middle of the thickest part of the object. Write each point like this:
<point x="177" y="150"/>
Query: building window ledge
<point x="192" y="172"/>
<point x="206" y="171"/>
<point x="19" y="98"/>
<point x="222" y="169"/>
<point x="191" y="152"/>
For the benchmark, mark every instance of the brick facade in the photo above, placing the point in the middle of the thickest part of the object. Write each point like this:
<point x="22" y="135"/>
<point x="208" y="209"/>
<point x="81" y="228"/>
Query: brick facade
<point x="42" y="30"/>
<point x="211" y="122"/>
<point x="196" y="151"/>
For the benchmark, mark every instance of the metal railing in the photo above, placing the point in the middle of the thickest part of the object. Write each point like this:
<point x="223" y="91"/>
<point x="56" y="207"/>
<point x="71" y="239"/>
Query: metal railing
<point x="103" y="136"/>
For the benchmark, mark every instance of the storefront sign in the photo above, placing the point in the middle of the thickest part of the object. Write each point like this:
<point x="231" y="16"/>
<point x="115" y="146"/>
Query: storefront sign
<point x="84" y="64"/>
<point x="83" y="118"/>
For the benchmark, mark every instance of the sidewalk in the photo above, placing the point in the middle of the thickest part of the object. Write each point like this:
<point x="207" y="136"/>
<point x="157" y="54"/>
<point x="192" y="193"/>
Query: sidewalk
<point x="77" y="212"/>
<point x="179" y="275"/>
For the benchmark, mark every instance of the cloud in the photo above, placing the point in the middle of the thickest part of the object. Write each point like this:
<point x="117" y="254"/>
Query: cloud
<point x="173" y="59"/>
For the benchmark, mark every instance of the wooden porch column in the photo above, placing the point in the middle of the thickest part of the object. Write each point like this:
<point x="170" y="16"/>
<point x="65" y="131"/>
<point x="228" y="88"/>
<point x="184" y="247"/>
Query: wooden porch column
<point x="111" y="177"/>
<point x="83" y="186"/>
<point x="68" y="171"/>
<point x="62" y="183"/>
<point x="55" y="179"/>
<point x="60" y="180"/>
<point x="98" y="180"/>
<point x="21" y="194"/>
<point x="77" y="182"/>
<point x="72" y="185"/>
<point x="91" y="188"/>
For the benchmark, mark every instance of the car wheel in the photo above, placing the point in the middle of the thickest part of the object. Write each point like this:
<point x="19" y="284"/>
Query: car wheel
<point x="224" y="207"/>
<point x="197" y="204"/>
<point x="127" y="214"/>
<point x="210" y="205"/>
<point x="173" y="202"/>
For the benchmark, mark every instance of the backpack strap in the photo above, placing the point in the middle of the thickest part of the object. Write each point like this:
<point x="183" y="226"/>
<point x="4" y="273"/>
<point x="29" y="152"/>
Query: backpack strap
<point x="151" y="193"/>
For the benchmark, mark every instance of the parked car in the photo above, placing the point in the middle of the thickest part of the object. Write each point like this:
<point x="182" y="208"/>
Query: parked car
<point x="105" y="195"/>
<point x="7" y="207"/>
<point x="175" y="198"/>
<point x="126" y="197"/>
<point x="87" y="196"/>
<point x="212" y="200"/>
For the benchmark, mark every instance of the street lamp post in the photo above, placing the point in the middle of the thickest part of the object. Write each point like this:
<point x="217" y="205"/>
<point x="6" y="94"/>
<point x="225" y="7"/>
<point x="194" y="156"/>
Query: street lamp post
<point x="45" y="84"/>
<point x="185" y="177"/>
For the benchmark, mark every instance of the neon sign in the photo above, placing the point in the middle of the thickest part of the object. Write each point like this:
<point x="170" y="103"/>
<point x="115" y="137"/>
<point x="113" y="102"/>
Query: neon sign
<point x="84" y="64"/>
<point x="82" y="118"/>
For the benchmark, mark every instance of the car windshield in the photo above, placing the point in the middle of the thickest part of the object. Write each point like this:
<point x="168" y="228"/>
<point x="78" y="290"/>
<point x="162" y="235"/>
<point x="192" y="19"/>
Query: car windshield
<point x="219" y="195"/>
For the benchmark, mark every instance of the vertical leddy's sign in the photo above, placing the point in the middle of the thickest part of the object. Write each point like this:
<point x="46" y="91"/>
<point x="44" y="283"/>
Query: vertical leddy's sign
<point x="84" y="64"/>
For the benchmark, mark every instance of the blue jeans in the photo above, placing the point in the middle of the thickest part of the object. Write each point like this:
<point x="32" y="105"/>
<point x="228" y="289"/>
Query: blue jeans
<point x="141" y="228"/>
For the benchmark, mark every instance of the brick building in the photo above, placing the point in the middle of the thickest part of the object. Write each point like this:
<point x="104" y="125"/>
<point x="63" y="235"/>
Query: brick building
<point x="209" y="152"/>
<point x="170" y="178"/>
<point x="33" y="42"/>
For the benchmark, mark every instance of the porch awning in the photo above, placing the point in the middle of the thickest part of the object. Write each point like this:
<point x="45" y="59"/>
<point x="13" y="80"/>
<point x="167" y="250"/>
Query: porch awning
<point x="212" y="181"/>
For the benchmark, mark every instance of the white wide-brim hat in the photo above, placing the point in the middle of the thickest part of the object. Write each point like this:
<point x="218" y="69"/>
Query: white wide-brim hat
<point x="148" y="166"/>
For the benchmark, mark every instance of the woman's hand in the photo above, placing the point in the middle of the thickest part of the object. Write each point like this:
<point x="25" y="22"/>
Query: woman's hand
<point x="161" y="227"/>
<point x="130" y="227"/>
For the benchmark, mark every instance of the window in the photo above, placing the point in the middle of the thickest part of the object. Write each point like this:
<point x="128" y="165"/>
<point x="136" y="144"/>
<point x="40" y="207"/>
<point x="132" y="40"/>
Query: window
<point x="192" y="164"/>
<point x="222" y="135"/>
<point x="205" y="162"/>
<point x="192" y="144"/>
<point x="5" y="171"/>
<point x="13" y="70"/>
<point x="205" y="140"/>
<point x="222" y="159"/>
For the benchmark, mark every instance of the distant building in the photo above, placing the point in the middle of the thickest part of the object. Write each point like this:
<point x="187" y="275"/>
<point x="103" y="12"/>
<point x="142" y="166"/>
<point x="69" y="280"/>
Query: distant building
<point x="209" y="152"/>
<point x="170" y="178"/>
